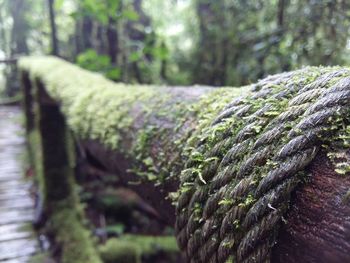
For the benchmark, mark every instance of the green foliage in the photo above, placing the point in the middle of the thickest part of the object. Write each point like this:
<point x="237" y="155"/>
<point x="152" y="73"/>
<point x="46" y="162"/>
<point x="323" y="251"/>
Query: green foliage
<point x="58" y="4"/>
<point x="74" y="239"/>
<point x="101" y="10"/>
<point x="130" y="15"/>
<point x="92" y="61"/>
<point x="101" y="63"/>
<point x="186" y="42"/>
<point x="266" y="37"/>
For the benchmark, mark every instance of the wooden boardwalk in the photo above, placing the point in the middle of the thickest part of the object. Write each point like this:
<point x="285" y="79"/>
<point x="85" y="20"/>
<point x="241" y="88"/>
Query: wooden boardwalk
<point x="17" y="240"/>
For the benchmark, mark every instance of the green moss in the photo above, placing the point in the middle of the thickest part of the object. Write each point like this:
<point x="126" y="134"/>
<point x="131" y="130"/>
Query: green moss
<point x="131" y="248"/>
<point x="91" y="113"/>
<point x="35" y="155"/>
<point x="72" y="237"/>
<point x="39" y="258"/>
<point x="120" y="251"/>
<point x="207" y="136"/>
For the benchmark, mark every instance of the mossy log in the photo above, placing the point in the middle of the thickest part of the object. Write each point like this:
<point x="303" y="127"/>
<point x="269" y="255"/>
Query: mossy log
<point x="133" y="248"/>
<point x="242" y="169"/>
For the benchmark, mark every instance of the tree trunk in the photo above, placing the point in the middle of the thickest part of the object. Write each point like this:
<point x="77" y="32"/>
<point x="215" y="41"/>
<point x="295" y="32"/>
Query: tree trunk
<point x="18" y="44"/>
<point x="280" y="13"/>
<point x="54" y="40"/>
<point x="112" y="36"/>
<point x="19" y="28"/>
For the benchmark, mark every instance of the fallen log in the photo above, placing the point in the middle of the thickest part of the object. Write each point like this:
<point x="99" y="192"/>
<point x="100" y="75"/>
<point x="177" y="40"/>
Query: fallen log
<point x="242" y="169"/>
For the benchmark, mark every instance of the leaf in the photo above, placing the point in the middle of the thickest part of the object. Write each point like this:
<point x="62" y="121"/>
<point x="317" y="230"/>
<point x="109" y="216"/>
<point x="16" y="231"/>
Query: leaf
<point x="226" y="202"/>
<point x="130" y="15"/>
<point x="113" y="74"/>
<point x="58" y="4"/>
<point x="148" y="161"/>
<point x="200" y="176"/>
<point x="134" y="56"/>
<point x="102" y="17"/>
<point x="160" y="52"/>
<point x="197" y="156"/>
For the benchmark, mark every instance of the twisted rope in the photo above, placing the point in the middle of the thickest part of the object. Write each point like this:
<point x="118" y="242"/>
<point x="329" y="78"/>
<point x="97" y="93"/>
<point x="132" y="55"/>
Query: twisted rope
<point x="260" y="145"/>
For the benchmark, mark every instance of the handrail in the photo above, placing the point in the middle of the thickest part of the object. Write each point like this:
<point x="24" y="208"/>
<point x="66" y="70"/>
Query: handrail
<point x="228" y="158"/>
<point x="9" y="61"/>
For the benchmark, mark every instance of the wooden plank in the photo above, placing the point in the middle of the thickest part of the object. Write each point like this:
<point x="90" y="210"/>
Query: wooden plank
<point x="14" y="231"/>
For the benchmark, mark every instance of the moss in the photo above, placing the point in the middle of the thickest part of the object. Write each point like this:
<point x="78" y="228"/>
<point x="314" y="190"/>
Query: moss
<point x="35" y="155"/>
<point x="207" y="135"/>
<point x="346" y="198"/>
<point x="91" y="113"/>
<point x="65" y="222"/>
<point x="123" y="252"/>
<point x="132" y="248"/>
<point x="39" y="258"/>
<point x="72" y="237"/>
<point x="230" y="260"/>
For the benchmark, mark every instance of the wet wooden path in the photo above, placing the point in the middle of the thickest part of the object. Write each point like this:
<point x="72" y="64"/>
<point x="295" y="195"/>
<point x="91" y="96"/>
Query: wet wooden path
<point x="17" y="241"/>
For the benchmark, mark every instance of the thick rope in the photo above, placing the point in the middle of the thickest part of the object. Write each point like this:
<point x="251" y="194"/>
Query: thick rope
<point x="260" y="145"/>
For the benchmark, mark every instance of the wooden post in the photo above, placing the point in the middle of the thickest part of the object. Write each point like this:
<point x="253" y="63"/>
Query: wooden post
<point x="54" y="137"/>
<point x="27" y="102"/>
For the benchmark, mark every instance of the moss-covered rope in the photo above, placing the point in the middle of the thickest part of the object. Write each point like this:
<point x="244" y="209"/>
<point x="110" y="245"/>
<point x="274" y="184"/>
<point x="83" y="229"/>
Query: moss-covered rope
<point x="234" y="209"/>
<point x="237" y="158"/>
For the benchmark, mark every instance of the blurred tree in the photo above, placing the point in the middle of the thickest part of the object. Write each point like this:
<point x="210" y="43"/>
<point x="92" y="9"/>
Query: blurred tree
<point x="18" y="41"/>
<point x="212" y="53"/>
<point x="54" y="40"/>
<point x="182" y="42"/>
<point x="17" y="9"/>
<point x="241" y="41"/>
<point x="121" y="30"/>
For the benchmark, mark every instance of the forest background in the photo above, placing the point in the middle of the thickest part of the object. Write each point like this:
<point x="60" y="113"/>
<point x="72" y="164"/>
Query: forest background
<point x="176" y="42"/>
